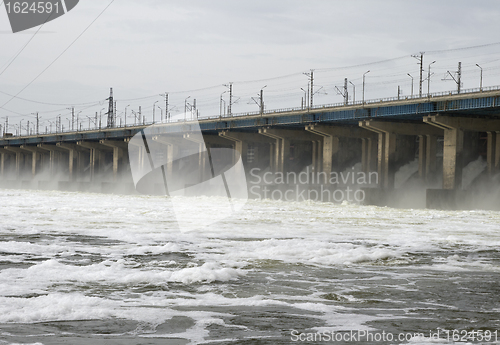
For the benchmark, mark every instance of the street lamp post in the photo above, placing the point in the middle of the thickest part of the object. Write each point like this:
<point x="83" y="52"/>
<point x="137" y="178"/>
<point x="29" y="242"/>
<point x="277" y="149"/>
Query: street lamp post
<point x="126" y="114"/>
<point x="220" y="105"/>
<point x="481" y="79"/>
<point x="409" y="75"/>
<point x="161" y="114"/>
<point x="353" y="92"/>
<point x="185" y="106"/>
<point x="100" y="117"/>
<point x="364" y="74"/>
<point x="154" y="104"/>
<point x="304" y="100"/>
<point x="262" y="100"/>
<point x="429" y="79"/>
<point x="78" y="120"/>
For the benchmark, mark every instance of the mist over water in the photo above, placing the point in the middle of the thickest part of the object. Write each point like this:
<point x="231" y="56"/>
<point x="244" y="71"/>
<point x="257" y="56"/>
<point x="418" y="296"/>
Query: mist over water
<point x="86" y="268"/>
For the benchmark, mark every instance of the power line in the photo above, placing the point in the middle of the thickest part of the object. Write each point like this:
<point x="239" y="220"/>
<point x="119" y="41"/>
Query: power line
<point x="463" y="48"/>
<point x="19" y="53"/>
<point x="57" y="58"/>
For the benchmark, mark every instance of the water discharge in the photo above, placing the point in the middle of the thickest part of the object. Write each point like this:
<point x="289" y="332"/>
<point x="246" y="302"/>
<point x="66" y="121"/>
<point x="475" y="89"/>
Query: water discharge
<point x="96" y="269"/>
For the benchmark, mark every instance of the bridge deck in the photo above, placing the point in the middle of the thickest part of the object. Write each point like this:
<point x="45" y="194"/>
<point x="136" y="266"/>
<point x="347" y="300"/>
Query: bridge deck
<point x="475" y="104"/>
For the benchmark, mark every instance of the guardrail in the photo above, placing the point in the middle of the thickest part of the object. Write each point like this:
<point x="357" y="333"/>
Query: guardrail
<point x="289" y="110"/>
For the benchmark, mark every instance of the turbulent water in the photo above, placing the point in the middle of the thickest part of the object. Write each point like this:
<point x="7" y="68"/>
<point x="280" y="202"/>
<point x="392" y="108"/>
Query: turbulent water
<point x="81" y="268"/>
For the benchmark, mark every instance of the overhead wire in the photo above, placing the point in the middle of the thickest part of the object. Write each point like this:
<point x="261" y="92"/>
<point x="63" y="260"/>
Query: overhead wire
<point x="22" y="49"/>
<point x="59" y="56"/>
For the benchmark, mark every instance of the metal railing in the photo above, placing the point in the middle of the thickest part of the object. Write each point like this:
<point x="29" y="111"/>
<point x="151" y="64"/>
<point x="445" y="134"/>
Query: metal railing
<point x="283" y="110"/>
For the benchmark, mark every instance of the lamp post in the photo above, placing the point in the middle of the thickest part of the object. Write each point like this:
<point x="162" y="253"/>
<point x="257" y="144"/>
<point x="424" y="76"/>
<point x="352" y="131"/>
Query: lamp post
<point x="161" y="114"/>
<point x="100" y="117"/>
<point x="364" y="74"/>
<point x="353" y="92"/>
<point x="429" y="79"/>
<point x="262" y="100"/>
<point x="185" y="106"/>
<point x="409" y="75"/>
<point x="126" y="114"/>
<point x="220" y="105"/>
<point x="304" y="100"/>
<point x="154" y="105"/>
<point x="78" y="120"/>
<point x="481" y="80"/>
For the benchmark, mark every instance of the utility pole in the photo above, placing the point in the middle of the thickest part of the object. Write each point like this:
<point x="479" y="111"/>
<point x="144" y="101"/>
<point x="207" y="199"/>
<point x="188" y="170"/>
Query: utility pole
<point x="111" y="116"/>
<point x="459" y="75"/>
<point x="229" y="109"/>
<point x="311" y="87"/>
<point x="344" y="94"/>
<point x="420" y="59"/>
<point x="37" y="123"/>
<point x="166" y="105"/>
<point x="167" y="116"/>
<point x="262" y="101"/>
<point x="429" y="79"/>
<point x="458" y="79"/>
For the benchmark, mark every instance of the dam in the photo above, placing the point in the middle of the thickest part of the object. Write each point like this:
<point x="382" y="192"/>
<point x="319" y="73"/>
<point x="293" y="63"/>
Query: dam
<point x="440" y="133"/>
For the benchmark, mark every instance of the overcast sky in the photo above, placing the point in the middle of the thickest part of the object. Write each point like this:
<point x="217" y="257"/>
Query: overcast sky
<point x="191" y="48"/>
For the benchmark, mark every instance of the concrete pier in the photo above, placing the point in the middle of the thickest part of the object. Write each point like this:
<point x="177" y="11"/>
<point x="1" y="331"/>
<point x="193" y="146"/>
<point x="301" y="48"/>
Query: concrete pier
<point x="445" y="133"/>
<point x="396" y="146"/>
<point x="454" y="128"/>
<point x="340" y="145"/>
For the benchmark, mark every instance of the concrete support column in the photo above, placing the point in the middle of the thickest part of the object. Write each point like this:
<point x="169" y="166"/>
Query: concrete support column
<point x="387" y="148"/>
<point x="97" y="156"/>
<point x="55" y="154"/>
<point x="118" y="148"/>
<point x="3" y="160"/>
<point x="172" y="148"/>
<point x="369" y="154"/>
<point x="386" y="159"/>
<point x="283" y="139"/>
<point x="497" y="153"/>
<point x="242" y="140"/>
<point x="454" y="128"/>
<point x="332" y="145"/>
<point x="317" y="156"/>
<point x="205" y="143"/>
<point x="427" y="157"/>
<point x="493" y="152"/>
<point x="36" y="156"/>
<point x="453" y="158"/>
<point x="20" y="159"/>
